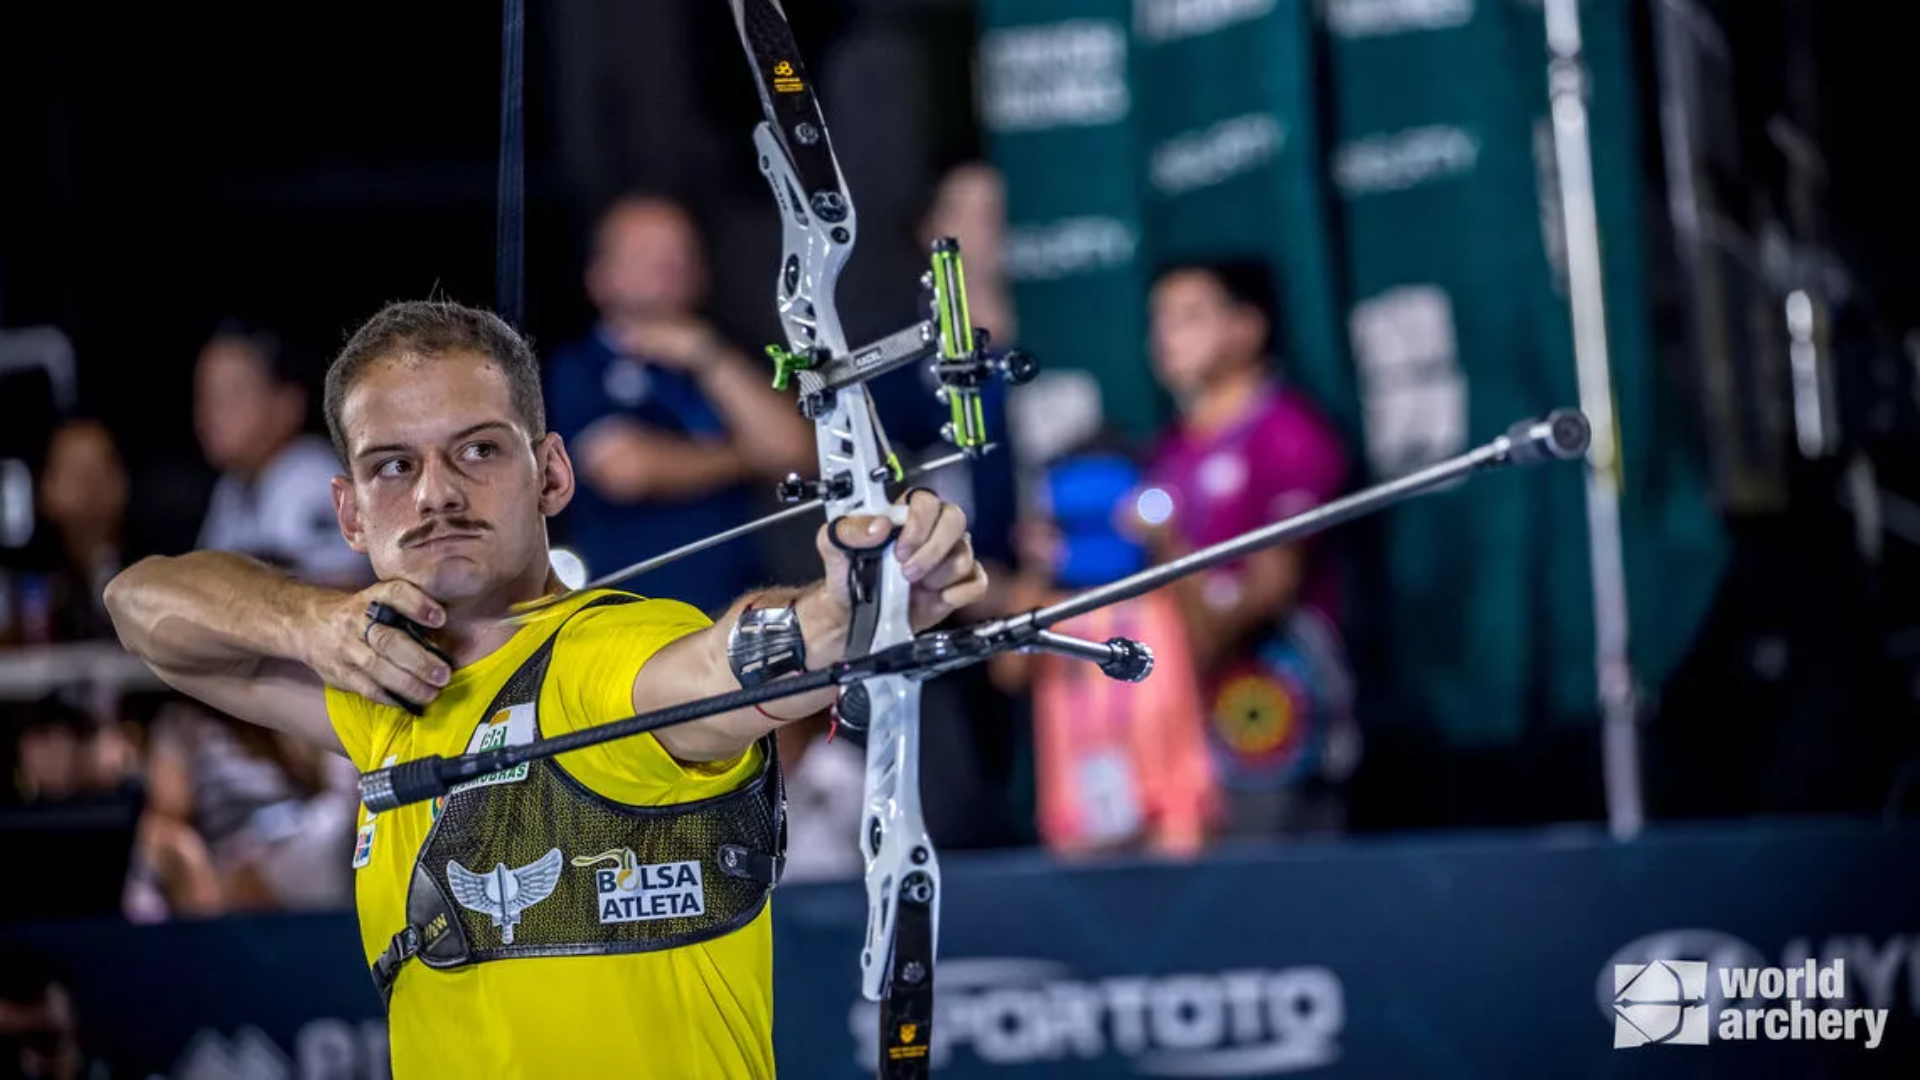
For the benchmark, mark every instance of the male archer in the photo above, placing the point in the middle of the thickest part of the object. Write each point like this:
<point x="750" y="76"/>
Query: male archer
<point x="508" y="941"/>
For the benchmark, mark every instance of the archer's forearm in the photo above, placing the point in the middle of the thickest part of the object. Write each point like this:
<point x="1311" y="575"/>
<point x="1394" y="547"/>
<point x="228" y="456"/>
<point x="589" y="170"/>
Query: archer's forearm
<point x="209" y="611"/>
<point x="698" y="666"/>
<point x="823" y="627"/>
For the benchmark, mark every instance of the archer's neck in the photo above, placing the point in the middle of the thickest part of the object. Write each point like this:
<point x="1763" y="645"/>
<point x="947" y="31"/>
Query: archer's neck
<point x="478" y="627"/>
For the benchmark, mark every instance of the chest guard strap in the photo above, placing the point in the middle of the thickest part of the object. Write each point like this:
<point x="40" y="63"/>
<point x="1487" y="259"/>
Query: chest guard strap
<point x="530" y="862"/>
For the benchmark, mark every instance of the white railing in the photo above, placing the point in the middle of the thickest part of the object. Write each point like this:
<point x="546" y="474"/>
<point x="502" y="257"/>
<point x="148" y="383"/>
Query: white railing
<point x="33" y="672"/>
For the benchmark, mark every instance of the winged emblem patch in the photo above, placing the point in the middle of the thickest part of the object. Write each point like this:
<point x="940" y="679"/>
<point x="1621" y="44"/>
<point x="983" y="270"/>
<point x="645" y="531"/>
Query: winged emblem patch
<point x="503" y="894"/>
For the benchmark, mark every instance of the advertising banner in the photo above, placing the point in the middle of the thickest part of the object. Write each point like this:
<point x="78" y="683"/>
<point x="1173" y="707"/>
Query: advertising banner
<point x="1792" y="951"/>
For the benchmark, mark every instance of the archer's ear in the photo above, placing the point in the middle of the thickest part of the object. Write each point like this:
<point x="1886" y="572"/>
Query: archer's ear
<point x="556" y="474"/>
<point x="348" y="512"/>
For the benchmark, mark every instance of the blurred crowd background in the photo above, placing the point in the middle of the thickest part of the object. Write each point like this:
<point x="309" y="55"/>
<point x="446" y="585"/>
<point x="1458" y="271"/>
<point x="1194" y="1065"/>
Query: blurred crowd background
<point x="187" y="232"/>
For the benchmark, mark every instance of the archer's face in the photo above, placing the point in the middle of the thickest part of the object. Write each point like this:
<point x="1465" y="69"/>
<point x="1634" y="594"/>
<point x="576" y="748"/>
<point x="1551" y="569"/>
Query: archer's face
<point x="448" y="489"/>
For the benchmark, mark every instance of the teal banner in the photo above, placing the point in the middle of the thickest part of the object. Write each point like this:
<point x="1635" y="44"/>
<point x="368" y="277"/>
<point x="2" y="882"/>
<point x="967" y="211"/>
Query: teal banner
<point x="1396" y="162"/>
<point x="1057" y="104"/>
<point x="1455" y="253"/>
<point x="1225" y="106"/>
<point x="1676" y="549"/>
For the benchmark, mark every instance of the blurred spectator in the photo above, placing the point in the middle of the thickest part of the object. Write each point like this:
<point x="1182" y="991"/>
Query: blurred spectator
<point x="83" y="505"/>
<point x="63" y="756"/>
<point x="278" y="816"/>
<point x="274" y="498"/>
<point x="970" y="205"/>
<point x="1246" y="450"/>
<point x="278" y="820"/>
<point x="667" y="423"/>
<point x="1120" y="766"/>
<point x="39" y="1026"/>
<point x="825" y="780"/>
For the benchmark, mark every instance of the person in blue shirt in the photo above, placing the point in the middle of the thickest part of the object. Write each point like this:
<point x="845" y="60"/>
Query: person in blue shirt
<point x="671" y="427"/>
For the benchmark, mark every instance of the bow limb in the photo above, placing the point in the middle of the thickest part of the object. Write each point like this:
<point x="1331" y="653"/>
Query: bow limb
<point x="819" y="227"/>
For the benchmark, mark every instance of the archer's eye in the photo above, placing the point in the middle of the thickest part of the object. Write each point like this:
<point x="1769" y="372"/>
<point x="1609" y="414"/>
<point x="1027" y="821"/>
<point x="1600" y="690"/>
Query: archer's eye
<point x="391" y="467"/>
<point x="482" y="451"/>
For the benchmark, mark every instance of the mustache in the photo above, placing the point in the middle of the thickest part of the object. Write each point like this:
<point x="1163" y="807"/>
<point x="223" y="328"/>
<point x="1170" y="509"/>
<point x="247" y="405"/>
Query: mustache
<point x="442" y="526"/>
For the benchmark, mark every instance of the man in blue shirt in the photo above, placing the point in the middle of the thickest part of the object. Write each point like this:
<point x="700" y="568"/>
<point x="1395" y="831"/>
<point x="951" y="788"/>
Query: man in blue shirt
<point x="669" y="425"/>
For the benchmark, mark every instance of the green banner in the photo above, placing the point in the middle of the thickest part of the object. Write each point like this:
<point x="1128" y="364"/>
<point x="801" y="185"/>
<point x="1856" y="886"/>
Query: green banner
<point x="1057" y="106"/>
<point x="1675" y="547"/>
<point x="1459" y="325"/>
<point x="1224" y="100"/>
<point x="1422" y="261"/>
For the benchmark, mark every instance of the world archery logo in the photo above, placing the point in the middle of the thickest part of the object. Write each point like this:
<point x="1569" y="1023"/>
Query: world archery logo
<point x="1660" y="1002"/>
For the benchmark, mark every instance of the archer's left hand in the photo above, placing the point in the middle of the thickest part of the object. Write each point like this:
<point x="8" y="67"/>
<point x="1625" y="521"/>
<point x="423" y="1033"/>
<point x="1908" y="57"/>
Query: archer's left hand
<point x="934" y="547"/>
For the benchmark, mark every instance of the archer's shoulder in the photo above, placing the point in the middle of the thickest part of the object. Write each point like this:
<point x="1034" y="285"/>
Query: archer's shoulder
<point x="613" y="611"/>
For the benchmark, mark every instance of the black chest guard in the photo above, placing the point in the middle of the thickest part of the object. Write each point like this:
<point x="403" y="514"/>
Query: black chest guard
<point x="539" y="865"/>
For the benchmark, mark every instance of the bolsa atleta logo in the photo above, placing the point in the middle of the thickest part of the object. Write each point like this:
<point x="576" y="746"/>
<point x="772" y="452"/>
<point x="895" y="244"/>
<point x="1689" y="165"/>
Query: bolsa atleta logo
<point x="1666" y="1001"/>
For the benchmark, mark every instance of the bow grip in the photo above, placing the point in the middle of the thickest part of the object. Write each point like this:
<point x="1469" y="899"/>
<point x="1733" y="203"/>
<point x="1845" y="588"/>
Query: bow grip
<point x="865" y="567"/>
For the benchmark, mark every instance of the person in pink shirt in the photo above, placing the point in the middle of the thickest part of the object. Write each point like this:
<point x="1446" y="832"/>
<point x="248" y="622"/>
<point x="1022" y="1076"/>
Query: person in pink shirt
<point x="1118" y="767"/>
<point x="1244" y="451"/>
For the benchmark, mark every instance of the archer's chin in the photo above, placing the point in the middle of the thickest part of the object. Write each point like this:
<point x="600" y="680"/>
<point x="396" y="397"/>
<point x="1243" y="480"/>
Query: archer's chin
<point x="452" y="578"/>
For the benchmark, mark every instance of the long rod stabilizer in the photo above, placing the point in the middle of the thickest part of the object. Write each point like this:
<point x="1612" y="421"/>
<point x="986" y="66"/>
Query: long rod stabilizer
<point x="1563" y="435"/>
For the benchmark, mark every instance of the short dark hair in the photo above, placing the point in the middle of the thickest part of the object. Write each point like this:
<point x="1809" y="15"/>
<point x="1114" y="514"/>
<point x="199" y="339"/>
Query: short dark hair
<point x="1246" y="281"/>
<point x="436" y="328"/>
<point x="280" y="363"/>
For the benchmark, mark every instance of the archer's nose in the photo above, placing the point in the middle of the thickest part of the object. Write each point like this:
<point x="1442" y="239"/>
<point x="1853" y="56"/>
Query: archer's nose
<point x="441" y="489"/>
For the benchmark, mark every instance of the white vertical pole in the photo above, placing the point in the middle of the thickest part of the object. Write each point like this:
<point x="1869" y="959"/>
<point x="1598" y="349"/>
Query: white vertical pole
<point x="1618" y="694"/>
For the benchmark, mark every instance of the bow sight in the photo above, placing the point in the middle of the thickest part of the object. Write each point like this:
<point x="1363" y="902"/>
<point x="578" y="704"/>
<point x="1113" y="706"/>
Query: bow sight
<point x="960" y="363"/>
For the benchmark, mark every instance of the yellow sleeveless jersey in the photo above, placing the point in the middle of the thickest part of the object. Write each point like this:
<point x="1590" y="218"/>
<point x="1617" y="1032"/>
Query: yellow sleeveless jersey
<point x="693" y="1012"/>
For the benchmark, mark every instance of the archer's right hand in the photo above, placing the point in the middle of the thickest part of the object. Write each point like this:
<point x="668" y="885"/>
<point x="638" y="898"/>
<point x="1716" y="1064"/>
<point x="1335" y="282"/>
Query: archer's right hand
<point x="383" y="664"/>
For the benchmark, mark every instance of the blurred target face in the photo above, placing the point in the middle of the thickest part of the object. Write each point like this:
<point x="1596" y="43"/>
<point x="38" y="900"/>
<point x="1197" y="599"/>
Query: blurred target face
<point x="1199" y="331"/>
<point x="447" y="487"/>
